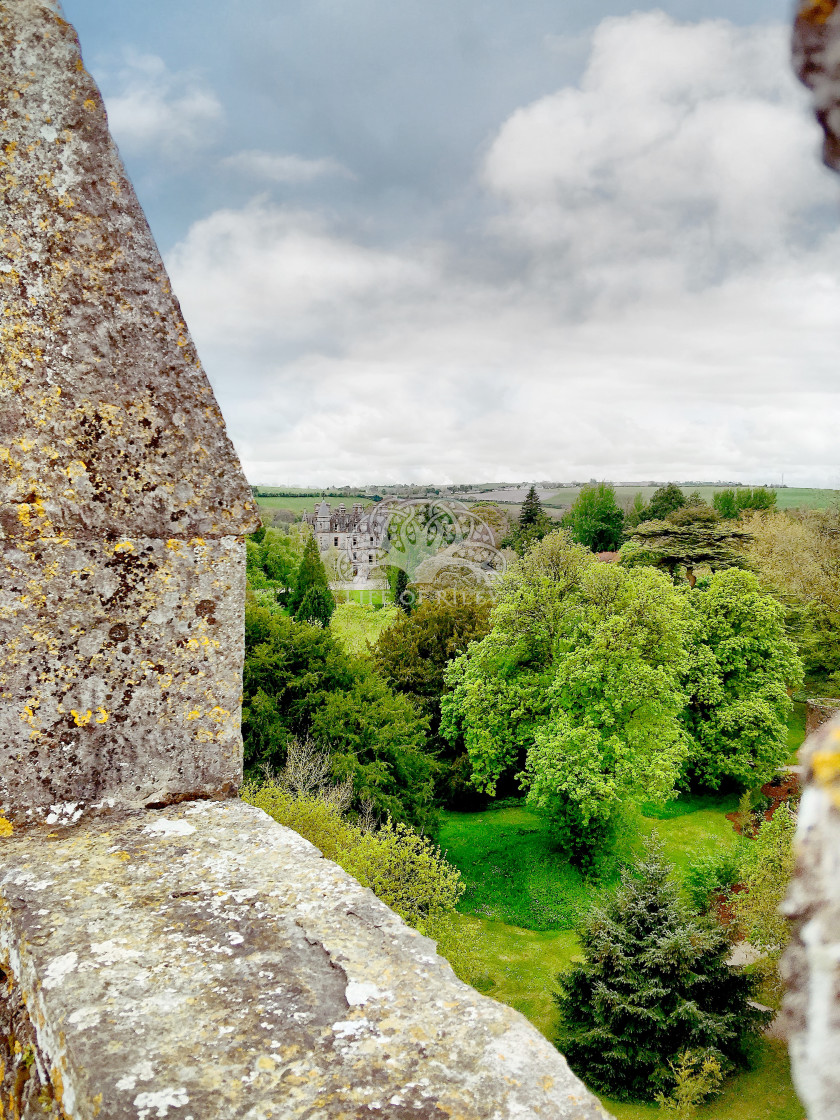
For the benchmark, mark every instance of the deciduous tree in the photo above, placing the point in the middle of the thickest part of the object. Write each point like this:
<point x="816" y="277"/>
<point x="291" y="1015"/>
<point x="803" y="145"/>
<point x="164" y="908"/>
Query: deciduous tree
<point x="741" y="666"/>
<point x="595" y="519"/>
<point x="578" y="681"/>
<point x="299" y="683"/>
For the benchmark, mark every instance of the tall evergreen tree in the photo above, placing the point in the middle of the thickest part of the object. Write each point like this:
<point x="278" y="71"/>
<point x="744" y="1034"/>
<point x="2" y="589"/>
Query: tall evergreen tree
<point x="654" y="983"/>
<point x="532" y="525"/>
<point x="311" y="574"/>
<point x="531" y="510"/>
<point x="317" y="605"/>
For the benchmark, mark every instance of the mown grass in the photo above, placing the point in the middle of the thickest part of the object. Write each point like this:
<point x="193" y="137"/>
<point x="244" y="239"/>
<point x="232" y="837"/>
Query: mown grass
<point x="796" y="730"/>
<point x="513" y="874"/>
<point x="358" y="627"/>
<point x="516" y="883"/>
<point x="764" y="1092"/>
<point x="519" y="966"/>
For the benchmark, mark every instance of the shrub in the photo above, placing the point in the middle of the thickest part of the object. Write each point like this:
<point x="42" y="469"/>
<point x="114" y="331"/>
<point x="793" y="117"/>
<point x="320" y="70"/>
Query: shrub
<point x="768" y="865"/>
<point x="714" y="873"/>
<point x="406" y="871"/>
<point x="697" y="1076"/>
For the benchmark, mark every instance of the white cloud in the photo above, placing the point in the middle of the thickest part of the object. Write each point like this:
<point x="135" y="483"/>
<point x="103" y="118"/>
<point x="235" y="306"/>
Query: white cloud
<point x="683" y="155"/>
<point x="659" y="296"/>
<point x="155" y="110"/>
<point x="285" y="168"/>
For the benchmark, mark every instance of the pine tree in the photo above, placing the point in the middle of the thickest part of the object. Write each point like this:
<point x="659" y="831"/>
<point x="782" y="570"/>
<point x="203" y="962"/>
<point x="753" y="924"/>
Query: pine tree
<point x="531" y="511"/>
<point x="533" y="524"/>
<point x="311" y="574"/>
<point x="317" y="605"/>
<point x="653" y="984"/>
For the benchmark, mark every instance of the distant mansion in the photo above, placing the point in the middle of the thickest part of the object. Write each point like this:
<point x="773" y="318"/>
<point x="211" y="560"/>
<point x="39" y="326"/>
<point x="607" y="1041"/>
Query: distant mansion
<point x="361" y="540"/>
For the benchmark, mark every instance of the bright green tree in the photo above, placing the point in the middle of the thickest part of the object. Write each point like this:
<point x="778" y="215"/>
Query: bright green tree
<point x="766" y="871"/>
<point x="730" y="503"/>
<point x="273" y="558"/>
<point x="595" y="519"/>
<point x="614" y="730"/>
<point x="756" y="498"/>
<point x="653" y="984"/>
<point x="741" y="665"/>
<point x="577" y="682"/>
<point x="726" y="504"/>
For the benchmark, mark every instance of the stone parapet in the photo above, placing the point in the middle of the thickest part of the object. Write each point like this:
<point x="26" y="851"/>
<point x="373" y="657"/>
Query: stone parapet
<point x="811" y="1012"/>
<point x="203" y="962"/>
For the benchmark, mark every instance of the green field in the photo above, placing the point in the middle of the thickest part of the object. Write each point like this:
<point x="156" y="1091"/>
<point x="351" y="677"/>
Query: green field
<point x="786" y="498"/>
<point x="298" y="504"/>
<point x="357" y="627"/>
<point x="522" y="898"/>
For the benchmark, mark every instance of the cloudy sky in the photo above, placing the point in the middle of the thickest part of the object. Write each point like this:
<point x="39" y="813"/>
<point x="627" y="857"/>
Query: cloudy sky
<point x="420" y="240"/>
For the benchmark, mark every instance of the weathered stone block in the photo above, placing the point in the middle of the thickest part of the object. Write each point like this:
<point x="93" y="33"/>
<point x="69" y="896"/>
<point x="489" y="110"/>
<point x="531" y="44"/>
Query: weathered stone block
<point x="204" y="961"/>
<point x="122" y="502"/>
<point x="811" y="966"/>
<point x="121" y="670"/>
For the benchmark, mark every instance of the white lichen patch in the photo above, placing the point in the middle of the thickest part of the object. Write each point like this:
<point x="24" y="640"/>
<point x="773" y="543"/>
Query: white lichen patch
<point x="165" y="827"/>
<point x="159" y="1103"/>
<point x="59" y="969"/>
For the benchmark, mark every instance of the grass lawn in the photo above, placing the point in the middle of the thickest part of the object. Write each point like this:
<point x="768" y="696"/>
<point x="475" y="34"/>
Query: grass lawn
<point x="520" y="966"/>
<point x="762" y="1093"/>
<point x="796" y="730"/>
<point x="512" y="874"/>
<point x="521" y="897"/>
<point x="356" y="626"/>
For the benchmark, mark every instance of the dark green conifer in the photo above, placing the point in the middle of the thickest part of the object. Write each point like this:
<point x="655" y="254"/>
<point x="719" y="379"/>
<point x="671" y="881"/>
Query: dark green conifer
<point x="532" y="511"/>
<point x="317" y="605"/>
<point x="311" y="574"/>
<point x="653" y="984"/>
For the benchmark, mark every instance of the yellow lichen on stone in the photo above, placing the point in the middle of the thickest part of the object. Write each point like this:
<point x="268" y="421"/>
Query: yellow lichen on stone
<point x="816" y="11"/>
<point x="6" y="827"/>
<point x="826" y="767"/>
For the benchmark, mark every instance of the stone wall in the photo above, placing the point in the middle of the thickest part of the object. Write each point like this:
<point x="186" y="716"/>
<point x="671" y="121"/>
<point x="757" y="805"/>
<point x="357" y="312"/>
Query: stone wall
<point x="819" y="711"/>
<point x="122" y="502"/>
<point x="205" y="961"/>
